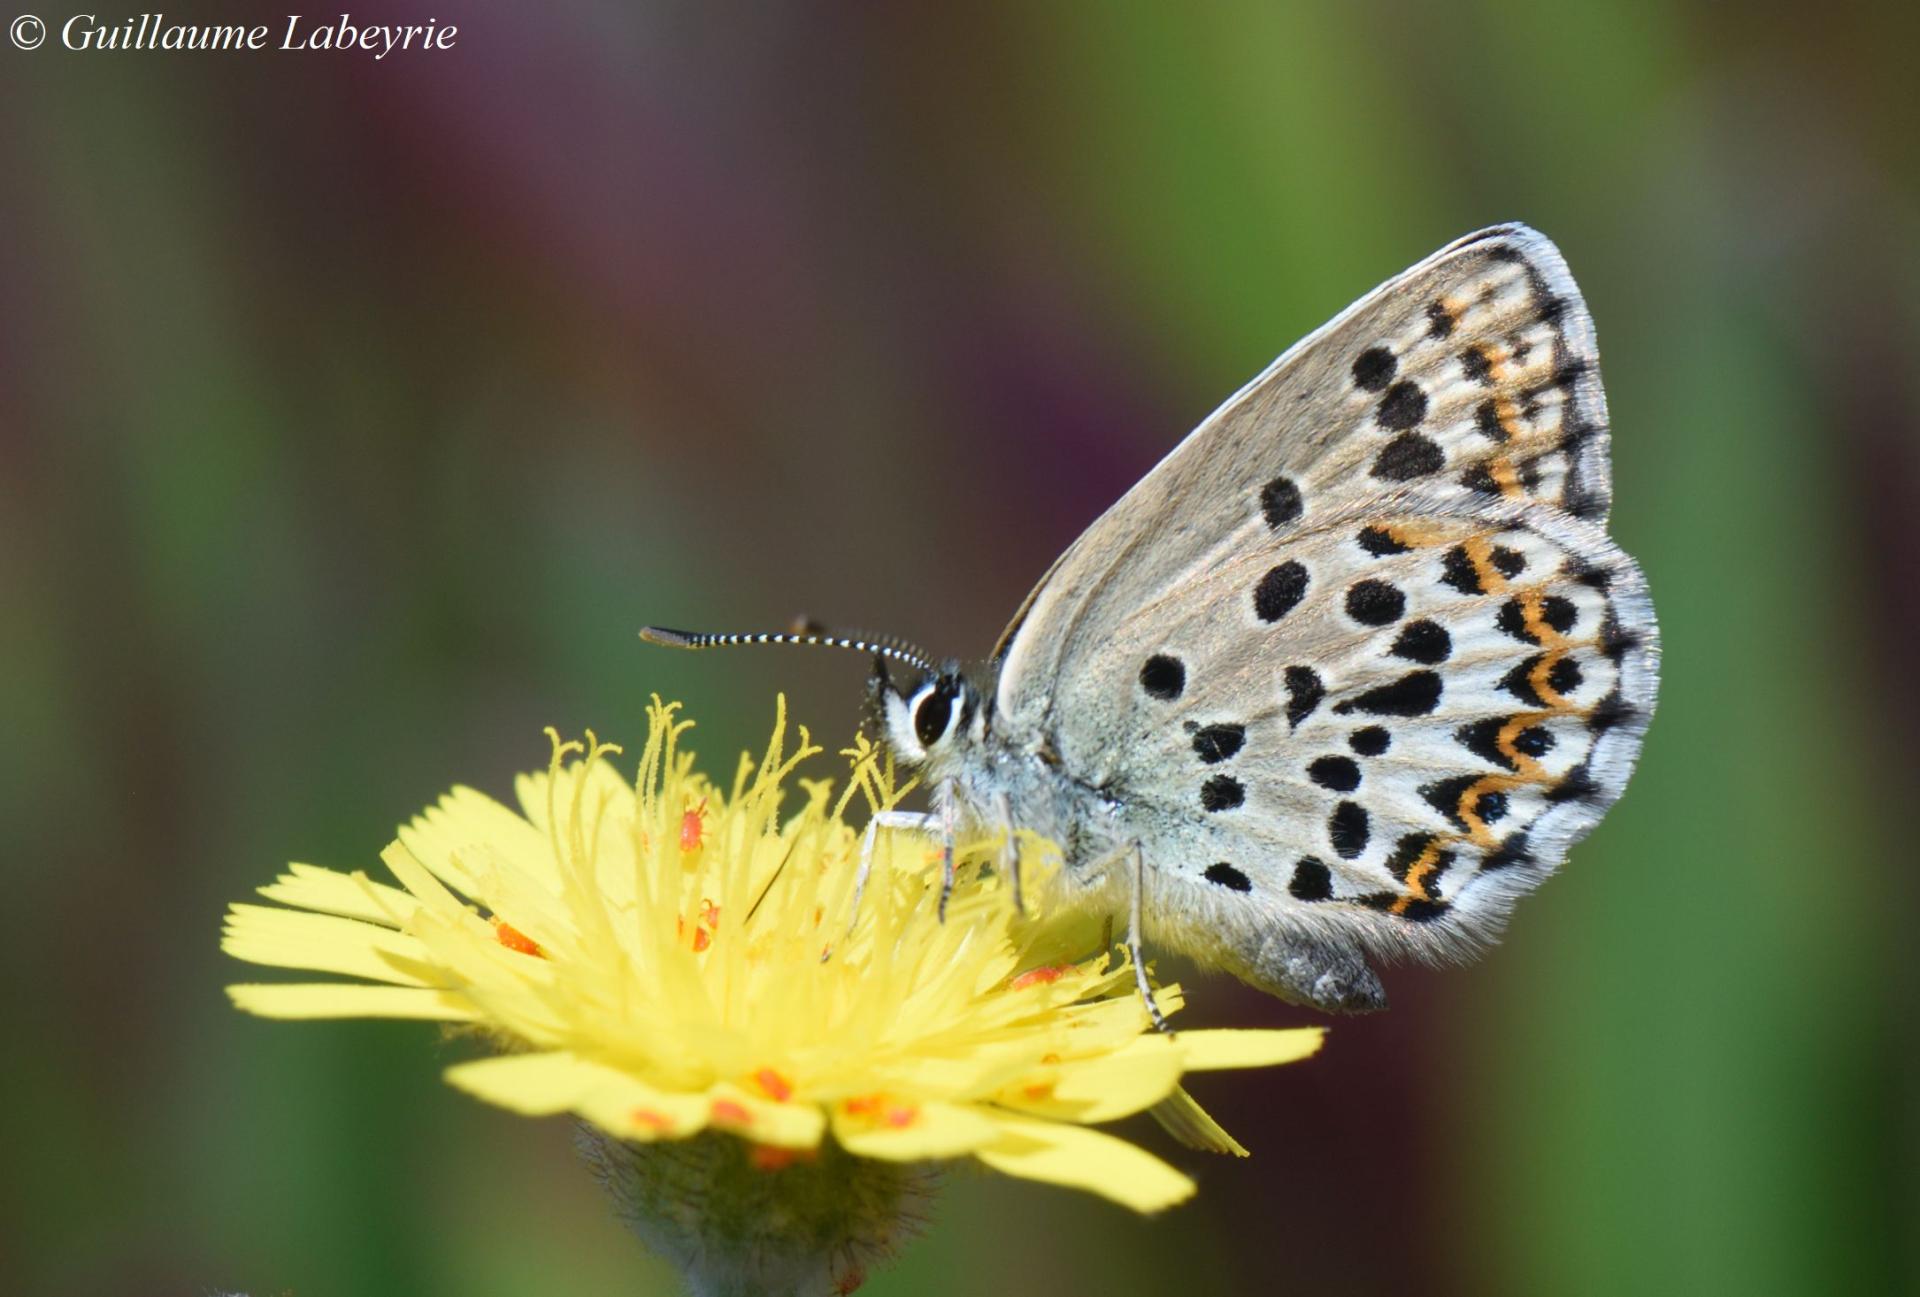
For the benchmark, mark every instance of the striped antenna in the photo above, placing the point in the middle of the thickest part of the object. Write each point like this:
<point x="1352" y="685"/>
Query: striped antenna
<point x="884" y="646"/>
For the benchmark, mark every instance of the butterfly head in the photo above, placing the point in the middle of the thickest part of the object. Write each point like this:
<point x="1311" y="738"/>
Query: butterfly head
<point x="930" y="721"/>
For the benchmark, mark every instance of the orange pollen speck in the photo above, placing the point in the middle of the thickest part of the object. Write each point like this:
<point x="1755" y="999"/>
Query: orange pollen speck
<point x="850" y="1282"/>
<point x="776" y="1086"/>
<point x="514" y="939"/>
<point x="728" y="1110"/>
<point x="864" y="1105"/>
<point x="769" y="1157"/>
<point x="650" y="1119"/>
<point x="709" y="913"/>
<point x="702" y="938"/>
<point x="902" y="1115"/>
<point x="1042" y="1090"/>
<point x="1041" y="976"/>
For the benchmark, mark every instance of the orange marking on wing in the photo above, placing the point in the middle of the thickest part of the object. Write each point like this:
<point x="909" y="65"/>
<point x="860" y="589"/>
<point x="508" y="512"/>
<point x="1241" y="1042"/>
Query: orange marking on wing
<point x="1507" y="414"/>
<point x="1417" y="877"/>
<point x="1501" y="471"/>
<point x="1529" y="767"/>
<point x="1480" y="554"/>
<point x="1538" y="679"/>
<point x="1477" y="831"/>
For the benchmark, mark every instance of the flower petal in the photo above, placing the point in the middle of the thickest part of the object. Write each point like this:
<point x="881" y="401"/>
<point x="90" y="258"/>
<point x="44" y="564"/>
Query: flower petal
<point x="1086" y="1159"/>
<point x="908" y="1131"/>
<point x="343" y="1000"/>
<point x="1211" y="1050"/>
<point x="788" y="1125"/>
<point x="535" y="1084"/>
<point x="352" y="896"/>
<point x="262" y="934"/>
<point x="1104" y="1087"/>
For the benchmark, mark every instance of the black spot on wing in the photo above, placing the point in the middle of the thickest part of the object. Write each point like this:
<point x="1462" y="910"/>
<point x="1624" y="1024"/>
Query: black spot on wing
<point x="1509" y="562"/>
<point x="1414" y="694"/>
<point x="1312" y="880"/>
<point x="1217" y="743"/>
<point x="1304" y="692"/>
<point x="1403" y="407"/>
<point x="1477" y="364"/>
<point x="1280" y="591"/>
<point x="1486" y="421"/>
<point x="1534" y="741"/>
<point x="1440" y="320"/>
<point x="1575" y="786"/>
<point x="1163" y="677"/>
<point x="1408" y="456"/>
<point x="1379" y="542"/>
<point x="1588" y="574"/>
<point x="1616" y="641"/>
<point x="1374" y="368"/>
<point x="1375" y="603"/>
<point x="1222" y="793"/>
<point x="1347" y="829"/>
<point x="1341" y="774"/>
<point x="1280" y="502"/>
<point x="1423" y="641"/>
<point x="1479" y="477"/>
<point x="1458" y="571"/>
<point x="1609" y="712"/>
<point x="1370" y="742"/>
<point x="1511" y="851"/>
<point x="1225" y="875"/>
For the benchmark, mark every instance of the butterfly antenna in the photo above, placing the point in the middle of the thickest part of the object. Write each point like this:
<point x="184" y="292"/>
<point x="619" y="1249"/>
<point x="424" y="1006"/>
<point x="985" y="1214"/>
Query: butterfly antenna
<point x="881" y="645"/>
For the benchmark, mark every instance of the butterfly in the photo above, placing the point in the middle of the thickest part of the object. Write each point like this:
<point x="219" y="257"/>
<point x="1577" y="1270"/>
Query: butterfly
<point x="1345" y="675"/>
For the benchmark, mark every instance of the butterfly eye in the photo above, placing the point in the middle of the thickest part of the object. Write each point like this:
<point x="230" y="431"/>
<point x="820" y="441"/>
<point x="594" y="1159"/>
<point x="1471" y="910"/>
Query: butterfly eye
<point x="932" y="712"/>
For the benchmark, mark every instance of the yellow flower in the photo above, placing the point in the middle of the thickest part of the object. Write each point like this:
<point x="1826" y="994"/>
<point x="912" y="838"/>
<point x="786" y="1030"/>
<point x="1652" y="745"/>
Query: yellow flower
<point x="664" y="958"/>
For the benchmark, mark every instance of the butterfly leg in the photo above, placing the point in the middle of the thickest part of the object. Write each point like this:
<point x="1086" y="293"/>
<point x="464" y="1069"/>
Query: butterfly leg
<point x="908" y="821"/>
<point x="1133" y="940"/>
<point x="947" y="829"/>
<point x="1009" y="861"/>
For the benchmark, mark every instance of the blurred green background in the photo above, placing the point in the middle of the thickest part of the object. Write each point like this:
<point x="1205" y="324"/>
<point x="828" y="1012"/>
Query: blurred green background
<point x="354" y="414"/>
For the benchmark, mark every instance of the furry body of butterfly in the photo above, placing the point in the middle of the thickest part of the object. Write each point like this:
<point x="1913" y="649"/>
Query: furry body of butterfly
<point x="1351" y="669"/>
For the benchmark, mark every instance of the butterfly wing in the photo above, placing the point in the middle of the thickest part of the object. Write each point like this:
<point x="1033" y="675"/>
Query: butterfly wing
<point x="1351" y="707"/>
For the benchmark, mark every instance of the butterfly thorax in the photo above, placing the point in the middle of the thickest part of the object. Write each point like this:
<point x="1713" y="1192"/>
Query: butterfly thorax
<point x="988" y="776"/>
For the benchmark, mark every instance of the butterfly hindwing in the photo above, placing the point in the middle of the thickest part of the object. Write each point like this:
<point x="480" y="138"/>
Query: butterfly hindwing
<point x="1439" y="702"/>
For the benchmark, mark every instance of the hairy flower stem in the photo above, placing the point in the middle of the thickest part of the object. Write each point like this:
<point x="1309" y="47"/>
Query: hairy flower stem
<point x="739" y="1218"/>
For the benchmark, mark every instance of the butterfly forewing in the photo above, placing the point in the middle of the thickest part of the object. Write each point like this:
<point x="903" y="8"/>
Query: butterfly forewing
<point x="1474" y="374"/>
